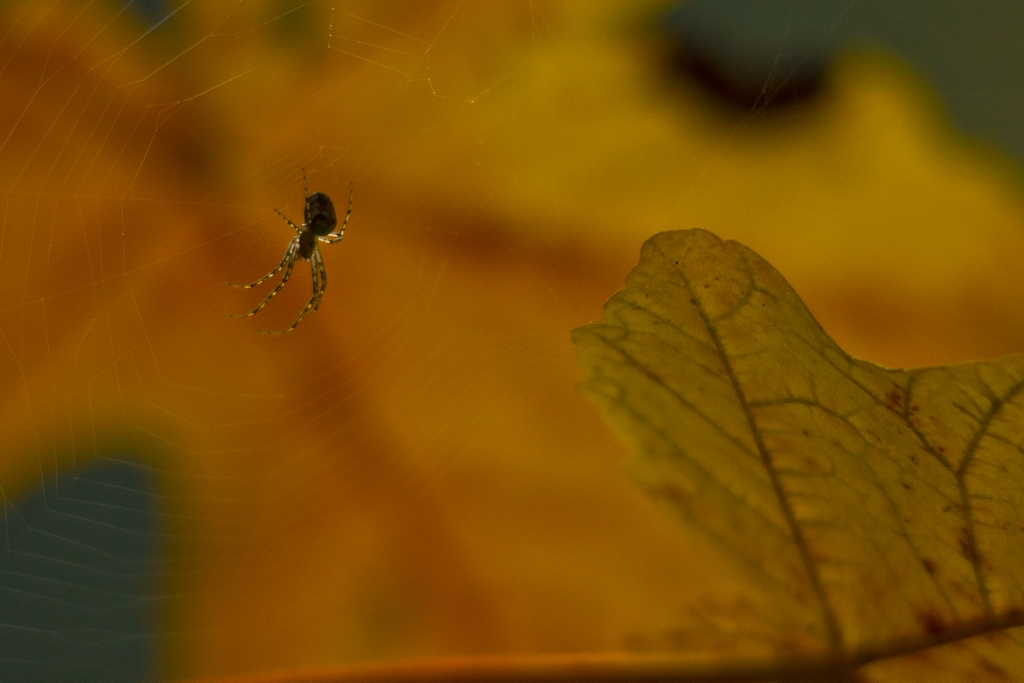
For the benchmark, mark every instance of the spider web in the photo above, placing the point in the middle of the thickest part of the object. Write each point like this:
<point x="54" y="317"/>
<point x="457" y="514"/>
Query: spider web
<point x="411" y="472"/>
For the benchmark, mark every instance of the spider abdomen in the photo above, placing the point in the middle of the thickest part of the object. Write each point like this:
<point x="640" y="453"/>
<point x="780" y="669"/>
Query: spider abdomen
<point x="307" y="244"/>
<point x="320" y="216"/>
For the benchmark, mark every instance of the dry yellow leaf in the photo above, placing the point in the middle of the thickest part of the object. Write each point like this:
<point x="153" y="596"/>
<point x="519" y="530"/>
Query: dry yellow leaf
<point x="876" y="513"/>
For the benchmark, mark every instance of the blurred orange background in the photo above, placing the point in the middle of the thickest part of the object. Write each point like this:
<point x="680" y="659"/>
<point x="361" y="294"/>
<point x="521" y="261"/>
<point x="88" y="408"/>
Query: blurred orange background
<point x="413" y="472"/>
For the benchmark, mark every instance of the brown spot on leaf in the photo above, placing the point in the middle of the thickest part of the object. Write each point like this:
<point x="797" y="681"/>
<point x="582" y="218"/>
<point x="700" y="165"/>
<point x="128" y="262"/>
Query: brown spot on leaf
<point x="996" y="637"/>
<point x="993" y="669"/>
<point x="669" y="492"/>
<point x="967" y="546"/>
<point x="907" y="486"/>
<point x="895" y="397"/>
<point x="931" y="623"/>
<point x="812" y="465"/>
<point x="930" y="566"/>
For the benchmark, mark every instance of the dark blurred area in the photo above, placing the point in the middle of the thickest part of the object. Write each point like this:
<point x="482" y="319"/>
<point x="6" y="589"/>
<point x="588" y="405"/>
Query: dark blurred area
<point x="766" y="55"/>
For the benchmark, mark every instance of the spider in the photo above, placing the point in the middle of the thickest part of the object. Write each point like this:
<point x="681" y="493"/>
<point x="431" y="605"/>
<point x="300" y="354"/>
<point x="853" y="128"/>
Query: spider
<point x="320" y="221"/>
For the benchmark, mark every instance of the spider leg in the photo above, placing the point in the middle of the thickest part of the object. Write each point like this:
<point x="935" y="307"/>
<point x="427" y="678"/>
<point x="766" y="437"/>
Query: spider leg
<point x="323" y="278"/>
<point x="289" y="258"/>
<point x="269" y="275"/>
<point x="294" y="227"/>
<point x="316" y="266"/>
<point x="336" y="236"/>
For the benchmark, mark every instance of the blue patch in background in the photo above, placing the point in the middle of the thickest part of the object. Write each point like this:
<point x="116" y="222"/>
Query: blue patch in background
<point x="81" y="567"/>
<point x="152" y="12"/>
